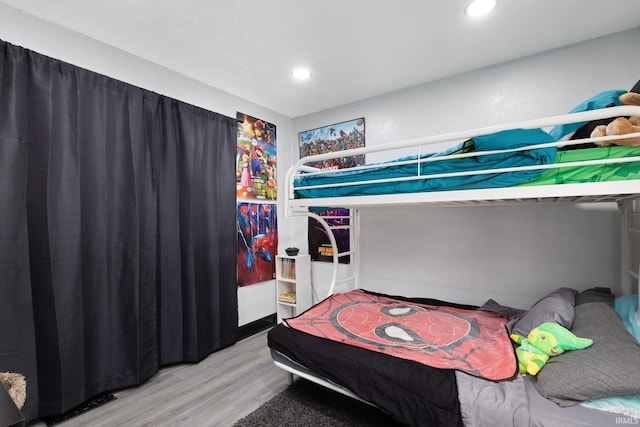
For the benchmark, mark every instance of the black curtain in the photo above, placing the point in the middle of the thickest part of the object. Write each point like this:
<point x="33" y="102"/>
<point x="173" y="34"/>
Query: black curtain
<point x="117" y="231"/>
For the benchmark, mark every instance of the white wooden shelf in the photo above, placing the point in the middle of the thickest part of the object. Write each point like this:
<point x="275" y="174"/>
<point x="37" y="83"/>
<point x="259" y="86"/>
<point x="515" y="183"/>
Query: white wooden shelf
<point x="293" y="275"/>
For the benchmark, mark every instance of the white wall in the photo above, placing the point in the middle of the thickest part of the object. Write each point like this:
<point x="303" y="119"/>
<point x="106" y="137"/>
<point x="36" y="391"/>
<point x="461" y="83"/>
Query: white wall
<point x="461" y="266"/>
<point x="512" y="254"/>
<point x="18" y="28"/>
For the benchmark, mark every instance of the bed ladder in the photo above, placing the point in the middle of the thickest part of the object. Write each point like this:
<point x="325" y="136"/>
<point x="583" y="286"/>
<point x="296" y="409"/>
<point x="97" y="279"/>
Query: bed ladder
<point x="630" y="241"/>
<point x="351" y="222"/>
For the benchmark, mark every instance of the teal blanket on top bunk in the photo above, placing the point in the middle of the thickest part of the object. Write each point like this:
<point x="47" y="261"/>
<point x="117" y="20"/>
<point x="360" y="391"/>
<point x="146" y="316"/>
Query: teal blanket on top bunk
<point x="513" y="138"/>
<point x="497" y="141"/>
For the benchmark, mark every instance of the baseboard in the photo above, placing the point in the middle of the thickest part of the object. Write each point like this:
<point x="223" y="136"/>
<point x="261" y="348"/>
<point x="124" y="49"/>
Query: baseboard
<point x="96" y="401"/>
<point x="256" y="326"/>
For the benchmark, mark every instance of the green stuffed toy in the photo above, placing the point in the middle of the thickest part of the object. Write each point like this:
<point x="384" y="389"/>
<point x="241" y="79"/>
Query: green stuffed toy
<point x="548" y="339"/>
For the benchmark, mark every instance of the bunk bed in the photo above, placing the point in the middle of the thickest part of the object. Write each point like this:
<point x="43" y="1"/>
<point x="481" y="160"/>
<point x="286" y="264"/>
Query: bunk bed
<point x="532" y="162"/>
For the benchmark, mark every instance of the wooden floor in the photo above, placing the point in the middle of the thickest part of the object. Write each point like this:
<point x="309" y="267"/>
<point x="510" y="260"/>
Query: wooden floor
<point x="218" y="391"/>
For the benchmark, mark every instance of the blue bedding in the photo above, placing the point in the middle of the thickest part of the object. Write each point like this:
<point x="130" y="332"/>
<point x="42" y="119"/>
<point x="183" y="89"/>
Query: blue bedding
<point x="608" y="98"/>
<point x="514" y="138"/>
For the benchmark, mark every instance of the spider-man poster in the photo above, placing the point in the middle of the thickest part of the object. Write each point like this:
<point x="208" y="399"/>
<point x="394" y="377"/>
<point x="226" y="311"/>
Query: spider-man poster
<point x="257" y="242"/>
<point x="256" y="164"/>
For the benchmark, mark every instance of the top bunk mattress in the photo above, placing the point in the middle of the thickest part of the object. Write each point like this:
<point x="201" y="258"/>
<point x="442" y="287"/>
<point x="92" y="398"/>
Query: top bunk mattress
<point x="576" y="166"/>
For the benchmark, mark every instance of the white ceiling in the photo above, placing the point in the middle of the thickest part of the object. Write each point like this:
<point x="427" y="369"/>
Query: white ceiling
<point x="355" y="48"/>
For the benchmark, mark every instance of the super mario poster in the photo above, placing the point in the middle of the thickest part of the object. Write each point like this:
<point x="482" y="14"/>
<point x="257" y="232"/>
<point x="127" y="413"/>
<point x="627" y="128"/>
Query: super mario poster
<point x="257" y="242"/>
<point x="256" y="165"/>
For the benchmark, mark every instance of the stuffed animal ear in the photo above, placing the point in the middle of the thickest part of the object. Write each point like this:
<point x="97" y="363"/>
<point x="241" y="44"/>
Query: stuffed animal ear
<point x="518" y="339"/>
<point x="578" y="343"/>
<point x="599" y="131"/>
<point x="624" y="126"/>
<point x="630" y="98"/>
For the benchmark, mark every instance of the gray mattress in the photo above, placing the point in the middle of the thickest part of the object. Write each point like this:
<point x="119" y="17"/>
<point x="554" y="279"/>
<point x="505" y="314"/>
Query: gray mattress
<point x="514" y="403"/>
<point x="518" y="403"/>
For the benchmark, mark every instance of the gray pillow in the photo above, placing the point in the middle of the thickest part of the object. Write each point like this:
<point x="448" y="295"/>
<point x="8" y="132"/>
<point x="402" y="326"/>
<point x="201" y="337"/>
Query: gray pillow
<point x="610" y="367"/>
<point x="597" y="294"/>
<point x="556" y="307"/>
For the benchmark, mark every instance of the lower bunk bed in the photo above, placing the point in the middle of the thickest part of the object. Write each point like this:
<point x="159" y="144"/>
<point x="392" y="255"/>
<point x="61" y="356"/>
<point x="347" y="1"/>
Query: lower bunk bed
<point x="434" y="363"/>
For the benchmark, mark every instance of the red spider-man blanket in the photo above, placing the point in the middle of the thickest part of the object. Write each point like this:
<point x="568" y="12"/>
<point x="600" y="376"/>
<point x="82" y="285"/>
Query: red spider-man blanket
<point x="473" y="341"/>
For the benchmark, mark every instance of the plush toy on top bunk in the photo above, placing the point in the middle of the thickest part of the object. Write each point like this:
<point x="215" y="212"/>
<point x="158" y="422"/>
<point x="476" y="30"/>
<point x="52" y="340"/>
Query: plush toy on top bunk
<point x="622" y="125"/>
<point x="606" y="127"/>
<point x="548" y="339"/>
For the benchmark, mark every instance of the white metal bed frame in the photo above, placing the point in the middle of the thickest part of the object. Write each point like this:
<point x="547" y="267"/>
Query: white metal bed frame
<point x="608" y="190"/>
<point x="625" y="193"/>
<point x="611" y="191"/>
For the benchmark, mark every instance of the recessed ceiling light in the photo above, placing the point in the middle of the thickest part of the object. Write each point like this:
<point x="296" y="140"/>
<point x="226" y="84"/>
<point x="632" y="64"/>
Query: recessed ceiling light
<point x="480" y="7"/>
<point x="301" y="73"/>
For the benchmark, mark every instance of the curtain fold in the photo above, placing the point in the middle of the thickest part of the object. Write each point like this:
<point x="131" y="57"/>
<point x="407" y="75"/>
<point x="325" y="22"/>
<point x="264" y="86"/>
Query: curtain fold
<point x="117" y="231"/>
<point x="191" y="212"/>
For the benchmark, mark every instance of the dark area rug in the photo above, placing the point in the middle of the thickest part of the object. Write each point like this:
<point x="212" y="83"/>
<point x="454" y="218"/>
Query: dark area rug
<point x="307" y="404"/>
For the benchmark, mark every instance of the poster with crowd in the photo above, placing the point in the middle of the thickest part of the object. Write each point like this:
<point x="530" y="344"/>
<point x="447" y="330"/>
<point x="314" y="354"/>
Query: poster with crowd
<point x="337" y="137"/>
<point x="256" y="161"/>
